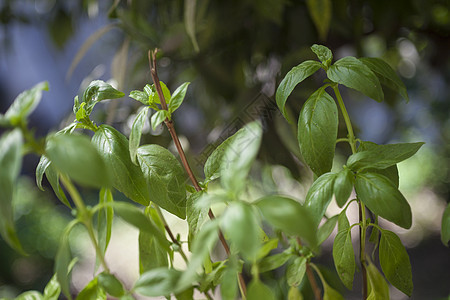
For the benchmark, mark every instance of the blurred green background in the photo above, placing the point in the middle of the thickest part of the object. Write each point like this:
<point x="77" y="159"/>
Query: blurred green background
<point x="235" y="53"/>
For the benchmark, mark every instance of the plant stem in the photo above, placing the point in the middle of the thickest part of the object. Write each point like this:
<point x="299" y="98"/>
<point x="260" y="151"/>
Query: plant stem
<point x="311" y="278"/>
<point x="85" y="217"/>
<point x="362" y="214"/>
<point x="176" y="140"/>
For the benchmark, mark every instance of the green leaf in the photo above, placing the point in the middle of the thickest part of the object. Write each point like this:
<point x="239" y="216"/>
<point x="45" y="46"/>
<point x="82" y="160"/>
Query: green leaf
<point x="344" y="257"/>
<point x="166" y="94"/>
<point x="317" y="131"/>
<point x="273" y="262"/>
<point x="43" y="164"/>
<point x="293" y="77"/>
<point x="386" y="75"/>
<point x="343" y="186"/>
<point x="331" y="294"/>
<point x="24" y="104"/>
<point x="268" y="246"/>
<point x="157" y="282"/>
<point x="178" y="97"/>
<point x="320" y="11"/>
<point x="136" y="132"/>
<point x="237" y="216"/>
<point x="92" y="291"/>
<point x="319" y="196"/>
<point x="382" y="156"/>
<point x="165" y="178"/>
<point x="75" y="156"/>
<point x="127" y="177"/>
<point x="196" y="215"/>
<point x="53" y="178"/>
<point x="289" y="216"/>
<point x="11" y="144"/>
<point x="380" y="195"/>
<point x="97" y="91"/>
<point x="239" y="156"/>
<point x="52" y="289"/>
<point x="259" y="291"/>
<point x="343" y="223"/>
<point x="352" y="73"/>
<point x="29" y="295"/>
<point x="189" y="22"/>
<point x="104" y="221"/>
<point x="296" y="271"/>
<point x="140" y="96"/>
<point x="445" y="226"/>
<point x="394" y="261"/>
<point x="378" y="288"/>
<point x="134" y="216"/>
<point x="323" y="53"/>
<point x="229" y="281"/>
<point x="294" y="294"/>
<point x="157" y="118"/>
<point x="110" y="284"/>
<point x="326" y="229"/>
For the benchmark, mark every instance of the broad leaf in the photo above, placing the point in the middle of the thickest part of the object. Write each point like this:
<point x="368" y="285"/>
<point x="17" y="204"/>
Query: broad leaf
<point x="386" y="75"/>
<point x="52" y="289"/>
<point x="352" y="73"/>
<point x="29" y="295"/>
<point x="344" y="257"/>
<point x="158" y="117"/>
<point x="294" y="294"/>
<point x="330" y="294"/>
<point x="296" y="271"/>
<point x="11" y="144"/>
<point x="326" y="229"/>
<point x="196" y="215"/>
<point x="239" y="156"/>
<point x="259" y="291"/>
<point x="127" y="177"/>
<point x="394" y="261"/>
<point x="24" y="104"/>
<point x="136" y="132"/>
<point x="343" y="186"/>
<point x="320" y="11"/>
<point x="293" y="77"/>
<point x="317" y="131"/>
<point x="273" y="262"/>
<point x="380" y="195"/>
<point x="378" y="288"/>
<point x="97" y="91"/>
<point x="237" y="216"/>
<point x="323" y="53"/>
<point x="75" y="156"/>
<point x="229" y="281"/>
<point x="92" y="291"/>
<point x="382" y="156"/>
<point x="267" y="246"/>
<point x="110" y="284"/>
<point x="140" y="96"/>
<point x="343" y="223"/>
<point x="178" y="97"/>
<point x="319" y="196"/>
<point x="104" y="221"/>
<point x="165" y="178"/>
<point x="445" y="226"/>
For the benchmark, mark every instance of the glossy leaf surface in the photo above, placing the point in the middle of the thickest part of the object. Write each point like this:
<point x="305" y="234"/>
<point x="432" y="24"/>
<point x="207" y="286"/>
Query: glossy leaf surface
<point x="97" y="91"/>
<point x="136" y="132"/>
<point x="319" y="196"/>
<point x="178" y="97"/>
<point x="343" y="186"/>
<point x="323" y="53"/>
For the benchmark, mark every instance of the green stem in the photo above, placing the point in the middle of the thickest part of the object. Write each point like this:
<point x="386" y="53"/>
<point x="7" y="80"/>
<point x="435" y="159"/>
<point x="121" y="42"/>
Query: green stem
<point x="85" y="217"/>
<point x="351" y="135"/>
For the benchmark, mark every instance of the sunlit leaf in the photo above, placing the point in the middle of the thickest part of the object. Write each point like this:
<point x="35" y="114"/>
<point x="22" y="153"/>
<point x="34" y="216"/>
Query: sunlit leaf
<point x="52" y="289"/>
<point x="92" y="291"/>
<point x="136" y="132"/>
<point x="157" y="118"/>
<point x="97" y="91"/>
<point x="178" y="97"/>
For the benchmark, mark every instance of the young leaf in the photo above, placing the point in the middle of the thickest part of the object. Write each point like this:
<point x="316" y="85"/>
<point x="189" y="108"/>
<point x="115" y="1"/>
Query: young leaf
<point x="352" y="73"/>
<point x="289" y="216"/>
<point x="268" y="246"/>
<point x="196" y="215"/>
<point x="165" y="178"/>
<point x="75" y="156"/>
<point x="239" y="156"/>
<point x="344" y="257"/>
<point x="237" y="216"/>
<point x="104" y="221"/>
<point x="29" y="295"/>
<point x="383" y="198"/>
<point x="343" y="185"/>
<point x="157" y="118"/>
<point x="294" y="294"/>
<point x="53" y="178"/>
<point x="136" y="132"/>
<point x="386" y="75"/>
<point x="382" y="156"/>
<point x="317" y="131"/>
<point x="24" y="104"/>
<point x="110" y="284"/>
<point x="326" y="229"/>
<point x="140" y="96"/>
<point x="445" y="226"/>
<point x="52" y="289"/>
<point x="178" y="97"/>
<point x="319" y="196"/>
<point x="43" y="164"/>
<point x="92" y="291"/>
<point x="11" y="144"/>
<point x="97" y="91"/>
<point x="126" y="177"/>
<point x="296" y="271"/>
<point x="330" y="294"/>
<point x="259" y="291"/>
<point x="273" y="262"/>
<point x="293" y="77"/>
<point x="229" y="284"/>
<point x="395" y="263"/>
<point x="320" y="11"/>
<point x="323" y="53"/>
<point x="378" y="287"/>
<point x="166" y="94"/>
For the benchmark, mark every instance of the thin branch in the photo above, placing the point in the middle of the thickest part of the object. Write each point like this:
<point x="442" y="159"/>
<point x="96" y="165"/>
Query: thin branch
<point x="311" y="278"/>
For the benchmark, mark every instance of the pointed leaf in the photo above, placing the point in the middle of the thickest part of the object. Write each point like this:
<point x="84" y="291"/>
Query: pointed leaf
<point x="319" y="196"/>
<point x="378" y="287"/>
<point x="294" y="294"/>
<point x="317" y="131"/>
<point x="293" y="77"/>
<point x="104" y="221"/>
<point x="394" y="261"/>
<point x="157" y="118"/>
<point x="323" y="53"/>
<point x="445" y="226"/>
<point x="273" y="262"/>
<point x="343" y="186"/>
<point x="343" y="223"/>
<point x="52" y="289"/>
<point x="43" y="164"/>
<point x="331" y="294"/>
<point x="178" y="97"/>
<point x="29" y="295"/>
<point x="127" y="177"/>
<point x="53" y="178"/>
<point x="140" y="96"/>
<point x="386" y="75"/>
<point x="97" y="91"/>
<point x="296" y="271"/>
<point x="157" y="282"/>
<point x="110" y="284"/>
<point x="259" y="291"/>
<point x="196" y="215"/>
<point x="344" y="257"/>
<point x="136" y="132"/>
<point x="92" y="291"/>
<point x="320" y="11"/>
<point x="165" y="178"/>
<point x="352" y="73"/>
<point x="326" y="229"/>
<point x="381" y="196"/>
